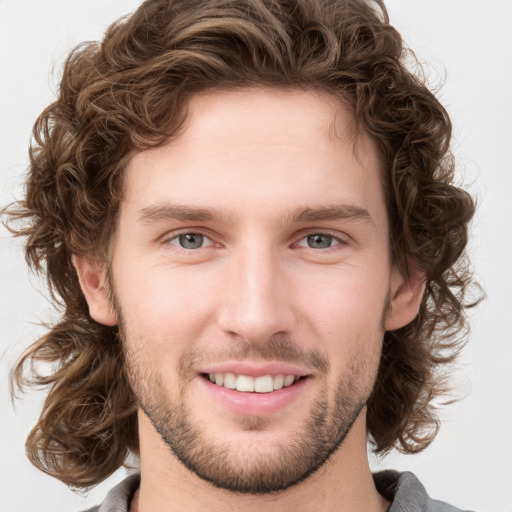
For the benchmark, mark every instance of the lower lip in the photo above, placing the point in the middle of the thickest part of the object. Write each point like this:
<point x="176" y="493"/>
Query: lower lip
<point x="255" y="404"/>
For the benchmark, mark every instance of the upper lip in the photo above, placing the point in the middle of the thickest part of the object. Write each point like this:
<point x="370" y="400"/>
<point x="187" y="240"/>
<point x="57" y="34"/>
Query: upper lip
<point x="255" y="369"/>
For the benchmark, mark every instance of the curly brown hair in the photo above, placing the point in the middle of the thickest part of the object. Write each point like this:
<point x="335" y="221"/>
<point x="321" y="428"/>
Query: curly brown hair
<point x="130" y="93"/>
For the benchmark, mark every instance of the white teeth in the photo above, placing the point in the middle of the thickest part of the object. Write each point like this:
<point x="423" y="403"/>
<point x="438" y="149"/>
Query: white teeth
<point x="245" y="383"/>
<point x="263" y="384"/>
<point x="230" y="380"/>
<point x="289" y="380"/>
<point x="278" y="381"/>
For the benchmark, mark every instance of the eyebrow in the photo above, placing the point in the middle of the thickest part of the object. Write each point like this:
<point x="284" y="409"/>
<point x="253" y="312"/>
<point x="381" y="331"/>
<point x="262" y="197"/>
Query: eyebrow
<point x="329" y="212"/>
<point x="165" y="211"/>
<point x="162" y="212"/>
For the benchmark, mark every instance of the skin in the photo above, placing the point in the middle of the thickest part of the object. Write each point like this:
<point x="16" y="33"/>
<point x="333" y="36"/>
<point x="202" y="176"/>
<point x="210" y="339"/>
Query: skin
<point x="256" y="157"/>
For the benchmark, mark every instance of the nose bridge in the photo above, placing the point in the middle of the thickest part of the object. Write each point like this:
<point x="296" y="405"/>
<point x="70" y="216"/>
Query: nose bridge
<point x="256" y="304"/>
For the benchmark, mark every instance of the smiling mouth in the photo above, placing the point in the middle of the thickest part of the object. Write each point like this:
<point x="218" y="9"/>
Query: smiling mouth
<point x="248" y="384"/>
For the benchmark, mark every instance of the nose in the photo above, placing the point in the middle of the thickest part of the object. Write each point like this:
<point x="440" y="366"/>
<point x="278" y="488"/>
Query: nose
<point x="257" y="298"/>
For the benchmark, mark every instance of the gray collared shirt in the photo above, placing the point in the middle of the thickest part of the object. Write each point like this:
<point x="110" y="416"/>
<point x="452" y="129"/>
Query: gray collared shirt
<point x="403" y="490"/>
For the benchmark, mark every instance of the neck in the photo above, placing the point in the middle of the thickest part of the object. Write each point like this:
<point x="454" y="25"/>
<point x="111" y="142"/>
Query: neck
<point x="344" y="483"/>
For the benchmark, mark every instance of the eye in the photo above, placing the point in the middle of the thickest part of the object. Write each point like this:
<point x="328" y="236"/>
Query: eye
<point x="319" y="241"/>
<point x="190" y="240"/>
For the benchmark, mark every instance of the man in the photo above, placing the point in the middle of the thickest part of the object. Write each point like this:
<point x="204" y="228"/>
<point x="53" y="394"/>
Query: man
<point x="247" y="208"/>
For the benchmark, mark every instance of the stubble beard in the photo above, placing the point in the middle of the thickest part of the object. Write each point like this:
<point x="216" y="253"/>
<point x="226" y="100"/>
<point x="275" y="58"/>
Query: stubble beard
<point x="250" y="470"/>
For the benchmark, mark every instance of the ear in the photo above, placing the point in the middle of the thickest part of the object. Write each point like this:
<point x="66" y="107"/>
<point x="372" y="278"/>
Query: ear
<point x="92" y="278"/>
<point x="406" y="296"/>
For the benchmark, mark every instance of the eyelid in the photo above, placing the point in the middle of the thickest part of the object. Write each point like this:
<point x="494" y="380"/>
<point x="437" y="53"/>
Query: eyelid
<point x="341" y="238"/>
<point x="169" y="237"/>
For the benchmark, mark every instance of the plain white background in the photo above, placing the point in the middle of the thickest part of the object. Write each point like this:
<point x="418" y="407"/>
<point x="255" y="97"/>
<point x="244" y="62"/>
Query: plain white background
<point x="470" y="463"/>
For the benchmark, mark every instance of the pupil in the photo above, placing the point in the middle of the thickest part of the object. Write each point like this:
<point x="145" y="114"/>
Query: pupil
<point x="319" y="241"/>
<point x="191" y="240"/>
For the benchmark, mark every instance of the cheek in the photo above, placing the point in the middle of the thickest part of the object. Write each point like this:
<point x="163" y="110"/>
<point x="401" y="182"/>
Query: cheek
<point x="165" y="307"/>
<point x="344" y="314"/>
<point x="346" y="302"/>
<point x="179" y="306"/>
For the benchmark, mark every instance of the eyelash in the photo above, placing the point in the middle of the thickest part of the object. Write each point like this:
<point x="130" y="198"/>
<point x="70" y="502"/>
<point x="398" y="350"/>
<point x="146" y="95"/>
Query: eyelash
<point x="335" y="237"/>
<point x="177" y="235"/>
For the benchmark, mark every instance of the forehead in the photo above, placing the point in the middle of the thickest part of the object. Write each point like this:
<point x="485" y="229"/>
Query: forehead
<point x="240" y="150"/>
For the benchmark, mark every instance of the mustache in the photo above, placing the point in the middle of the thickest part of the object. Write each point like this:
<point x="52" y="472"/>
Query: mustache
<point x="278" y="348"/>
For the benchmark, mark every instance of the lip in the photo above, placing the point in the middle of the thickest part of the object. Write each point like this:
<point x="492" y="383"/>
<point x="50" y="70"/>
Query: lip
<point x="254" y="404"/>
<point x="255" y="369"/>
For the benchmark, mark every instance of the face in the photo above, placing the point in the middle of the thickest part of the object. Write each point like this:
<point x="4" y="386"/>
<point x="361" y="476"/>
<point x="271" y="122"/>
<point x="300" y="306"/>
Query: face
<point x="252" y="282"/>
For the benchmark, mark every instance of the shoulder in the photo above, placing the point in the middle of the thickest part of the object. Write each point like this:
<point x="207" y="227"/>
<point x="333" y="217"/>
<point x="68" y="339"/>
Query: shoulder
<point x="407" y="494"/>
<point x="119" y="497"/>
